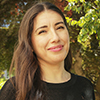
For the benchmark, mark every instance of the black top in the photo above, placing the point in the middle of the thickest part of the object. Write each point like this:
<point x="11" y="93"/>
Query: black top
<point x="77" y="88"/>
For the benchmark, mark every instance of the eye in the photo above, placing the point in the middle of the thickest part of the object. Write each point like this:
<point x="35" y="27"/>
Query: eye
<point x="61" y="27"/>
<point x="43" y="31"/>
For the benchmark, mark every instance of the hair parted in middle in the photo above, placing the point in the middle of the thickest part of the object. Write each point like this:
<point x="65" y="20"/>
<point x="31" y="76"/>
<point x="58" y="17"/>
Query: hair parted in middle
<point x="27" y="70"/>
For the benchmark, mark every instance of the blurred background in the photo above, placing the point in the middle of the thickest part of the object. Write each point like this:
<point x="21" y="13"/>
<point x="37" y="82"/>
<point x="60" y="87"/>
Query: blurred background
<point x="83" y="19"/>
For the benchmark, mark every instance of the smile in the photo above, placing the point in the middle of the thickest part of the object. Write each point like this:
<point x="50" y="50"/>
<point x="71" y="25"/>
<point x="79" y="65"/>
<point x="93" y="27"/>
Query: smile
<point x="56" y="48"/>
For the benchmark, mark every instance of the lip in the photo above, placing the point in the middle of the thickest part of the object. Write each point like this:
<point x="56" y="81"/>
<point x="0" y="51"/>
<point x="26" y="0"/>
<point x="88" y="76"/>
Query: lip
<point x="56" y="48"/>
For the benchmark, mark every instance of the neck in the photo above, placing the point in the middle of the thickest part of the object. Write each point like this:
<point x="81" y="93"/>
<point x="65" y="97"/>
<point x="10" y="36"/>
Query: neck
<point x="54" y="73"/>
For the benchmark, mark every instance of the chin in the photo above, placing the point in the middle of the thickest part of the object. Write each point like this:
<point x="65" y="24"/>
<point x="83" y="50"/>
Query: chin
<point x="59" y="59"/>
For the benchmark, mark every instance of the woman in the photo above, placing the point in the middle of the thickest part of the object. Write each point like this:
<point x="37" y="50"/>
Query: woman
<point x="42" y="60"/>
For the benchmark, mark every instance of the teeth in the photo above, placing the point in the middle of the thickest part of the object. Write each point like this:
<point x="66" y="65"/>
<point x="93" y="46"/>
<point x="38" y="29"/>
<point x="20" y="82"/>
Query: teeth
<point x="56" y="48"/>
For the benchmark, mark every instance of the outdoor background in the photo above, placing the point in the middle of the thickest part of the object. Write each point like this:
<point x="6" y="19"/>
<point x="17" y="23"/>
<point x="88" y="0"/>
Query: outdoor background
<point x="83" y="18"/>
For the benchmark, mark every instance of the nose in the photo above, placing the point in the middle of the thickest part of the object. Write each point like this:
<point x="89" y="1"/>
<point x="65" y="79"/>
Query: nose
<point x="54" y="36"/>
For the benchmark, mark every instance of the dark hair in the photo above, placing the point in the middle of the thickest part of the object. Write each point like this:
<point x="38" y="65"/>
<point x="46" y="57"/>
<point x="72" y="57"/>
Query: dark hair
<point x="27" y="71"/>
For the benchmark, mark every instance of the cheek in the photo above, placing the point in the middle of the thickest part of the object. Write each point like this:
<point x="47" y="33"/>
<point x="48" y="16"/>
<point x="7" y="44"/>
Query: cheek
<point x="65" y="37"/>
<point x="39" y="43"/>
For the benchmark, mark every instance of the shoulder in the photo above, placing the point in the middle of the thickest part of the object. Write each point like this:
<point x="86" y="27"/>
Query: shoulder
<point x="8" y="90"/>
<point x="9" y="84"/>
<point x="82" y="82"/>
<point x="81" y="79"/>
<point x="85" y="86"/>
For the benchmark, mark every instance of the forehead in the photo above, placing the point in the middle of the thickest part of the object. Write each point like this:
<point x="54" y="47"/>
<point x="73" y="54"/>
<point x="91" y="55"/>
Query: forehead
<point x="47" y="16"/>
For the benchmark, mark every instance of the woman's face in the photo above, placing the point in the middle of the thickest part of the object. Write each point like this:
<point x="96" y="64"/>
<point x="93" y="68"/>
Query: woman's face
<point x="50" y="38"/>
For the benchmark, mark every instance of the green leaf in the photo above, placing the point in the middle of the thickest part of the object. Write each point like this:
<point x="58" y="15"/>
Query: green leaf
<point x="82" y="0"/>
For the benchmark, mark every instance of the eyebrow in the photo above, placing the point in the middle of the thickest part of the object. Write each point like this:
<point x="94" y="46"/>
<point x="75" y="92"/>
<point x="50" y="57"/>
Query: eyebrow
<point x="47" y="26"/>
<point x="59" y="23"/>
<point x="41" y="27"/>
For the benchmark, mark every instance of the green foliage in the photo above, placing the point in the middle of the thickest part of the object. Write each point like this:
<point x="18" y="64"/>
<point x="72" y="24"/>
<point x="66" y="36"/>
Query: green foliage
<point x="8" y="35"/>
<point x="84" y="29"/>
<point x="89" y="23"/>
<point x="2" y="82"/>
<point x="11" y="14"/>
<point x="90" y="69"/>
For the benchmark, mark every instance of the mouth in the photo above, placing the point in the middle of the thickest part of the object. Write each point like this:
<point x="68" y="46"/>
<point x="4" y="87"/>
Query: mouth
<point x="56" y="48"/>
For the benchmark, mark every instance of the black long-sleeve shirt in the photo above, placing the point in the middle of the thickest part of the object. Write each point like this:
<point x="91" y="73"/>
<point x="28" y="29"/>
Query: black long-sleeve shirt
<point x="77" y="88"/>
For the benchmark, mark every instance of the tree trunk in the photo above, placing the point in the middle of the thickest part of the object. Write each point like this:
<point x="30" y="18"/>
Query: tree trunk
<point x="78" y="64"/>
<point x="98" y="86"/>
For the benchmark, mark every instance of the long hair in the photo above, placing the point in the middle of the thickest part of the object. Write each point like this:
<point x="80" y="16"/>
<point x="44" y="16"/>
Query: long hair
<point x="27" y="71"/>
